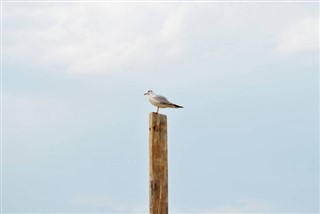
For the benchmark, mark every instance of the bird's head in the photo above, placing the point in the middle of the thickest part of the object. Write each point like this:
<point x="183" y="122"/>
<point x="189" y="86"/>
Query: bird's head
<point x="149" y="92"/>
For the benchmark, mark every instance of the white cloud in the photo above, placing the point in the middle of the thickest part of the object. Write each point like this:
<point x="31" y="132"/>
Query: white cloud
<point x="102" y="201"/>
<point x="98" y="201"/>
<point x="111" y="37"/>
<point x="243" y="205"/>
<point x="94" y="38"/>
<point x="302" y="36"/>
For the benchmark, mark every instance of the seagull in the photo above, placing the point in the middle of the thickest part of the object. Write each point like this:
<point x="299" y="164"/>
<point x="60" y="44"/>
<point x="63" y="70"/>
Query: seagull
<point x="160" y="101"/>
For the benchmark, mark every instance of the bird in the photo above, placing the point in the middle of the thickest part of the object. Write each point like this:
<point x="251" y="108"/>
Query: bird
<point x="160" y="101"/>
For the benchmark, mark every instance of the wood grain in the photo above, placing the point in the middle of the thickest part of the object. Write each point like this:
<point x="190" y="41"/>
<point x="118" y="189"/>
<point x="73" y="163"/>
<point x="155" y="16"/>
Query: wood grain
<point x="158" y="155"/>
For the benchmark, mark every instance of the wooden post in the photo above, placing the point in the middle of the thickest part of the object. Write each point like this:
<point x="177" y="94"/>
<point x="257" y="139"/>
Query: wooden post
<point x="158" y="155"/>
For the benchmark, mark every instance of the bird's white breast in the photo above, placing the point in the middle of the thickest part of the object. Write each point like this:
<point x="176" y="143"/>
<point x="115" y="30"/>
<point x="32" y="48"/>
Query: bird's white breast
<point x="156" y="103"/>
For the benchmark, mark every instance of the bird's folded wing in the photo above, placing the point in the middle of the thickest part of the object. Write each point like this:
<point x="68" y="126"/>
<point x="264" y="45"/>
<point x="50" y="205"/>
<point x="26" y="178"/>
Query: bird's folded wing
<point x="161" y="99"/>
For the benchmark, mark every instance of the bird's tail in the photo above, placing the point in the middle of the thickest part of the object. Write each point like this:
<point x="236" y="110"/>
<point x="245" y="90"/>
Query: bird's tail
<point x="177" y="106"/>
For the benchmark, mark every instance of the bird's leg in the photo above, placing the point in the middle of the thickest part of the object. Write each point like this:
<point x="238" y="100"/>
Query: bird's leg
<point x="157" y="110"/>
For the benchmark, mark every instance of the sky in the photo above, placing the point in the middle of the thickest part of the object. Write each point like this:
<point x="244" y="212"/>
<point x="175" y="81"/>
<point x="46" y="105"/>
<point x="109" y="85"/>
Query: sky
<point x="75" y="121"/>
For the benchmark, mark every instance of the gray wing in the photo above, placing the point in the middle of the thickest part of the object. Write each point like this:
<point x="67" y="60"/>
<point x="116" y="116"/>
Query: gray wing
<point x="161" y="99"/>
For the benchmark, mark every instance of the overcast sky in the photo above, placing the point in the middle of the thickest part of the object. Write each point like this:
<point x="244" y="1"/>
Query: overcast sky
<point x="75" y="121"/>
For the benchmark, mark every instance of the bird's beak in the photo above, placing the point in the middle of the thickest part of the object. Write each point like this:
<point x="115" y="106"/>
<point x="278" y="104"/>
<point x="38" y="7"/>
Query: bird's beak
<point x="145" y="93"/>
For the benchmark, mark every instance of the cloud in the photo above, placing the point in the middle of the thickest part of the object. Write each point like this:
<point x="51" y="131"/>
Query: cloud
<point x="103" y="202"/>
<point x="302" y="36"/>
<point x="94" y="38"/>
<point x="104" y="38"/>
<point x="243" y="205"/>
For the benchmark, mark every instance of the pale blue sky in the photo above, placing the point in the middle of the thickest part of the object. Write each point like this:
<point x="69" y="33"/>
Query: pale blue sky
<point x="75" y="121"/>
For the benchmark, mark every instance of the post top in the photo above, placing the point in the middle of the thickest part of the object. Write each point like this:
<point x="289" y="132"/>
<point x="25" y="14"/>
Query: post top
<point x="155" y="114"/>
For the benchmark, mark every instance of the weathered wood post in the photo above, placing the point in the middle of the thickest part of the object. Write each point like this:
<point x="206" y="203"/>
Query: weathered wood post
<point x="158" y="155"/>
